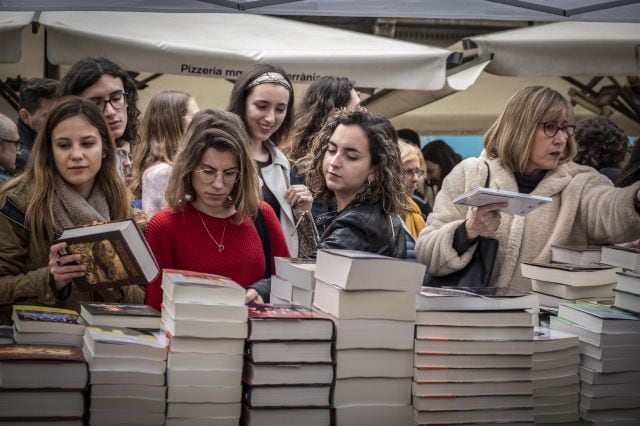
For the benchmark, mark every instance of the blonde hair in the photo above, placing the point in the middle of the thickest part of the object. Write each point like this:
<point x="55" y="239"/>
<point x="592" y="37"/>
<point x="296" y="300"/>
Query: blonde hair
<point x="511" y="136"/>
<point x="222" y="131"/>
<point x="409" y="152"/>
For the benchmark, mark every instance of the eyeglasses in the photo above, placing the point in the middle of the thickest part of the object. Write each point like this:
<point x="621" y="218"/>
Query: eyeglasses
<point x="210" y="175"/>
<point x="123" y="153"/>
<point x="550" y="129"/>
<point x="117" y="100"/>
<point x="17" y="143"/>
<point x="411" y="172"/>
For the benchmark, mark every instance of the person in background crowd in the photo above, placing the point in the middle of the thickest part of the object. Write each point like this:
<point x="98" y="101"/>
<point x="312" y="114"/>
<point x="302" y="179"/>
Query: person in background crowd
<point x="602" y="144"/>
<point x="413" y="220"/>
<point x="9" y="148"/>
<point x="213" y="197"/>
<point x="123" y="157"/>
<point x="71" y="181"/>
<point x="321" y="98"/>
<point x="630" y="174"/>
<point x="410" y="136"/>
<point x="529" y="149"/>
<point x="109" y="86"/>
<point x="36" y="97"/>
<point x="440" y="159"/>
<point x="163" y="127"/>
<point x="263" y="99"/>
<point x="354" y="164"/>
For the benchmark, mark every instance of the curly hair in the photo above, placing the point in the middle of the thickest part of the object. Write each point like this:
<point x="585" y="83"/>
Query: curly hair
<point x="162" y="133"/>
<point x="320" y="99"/>
<point x="87" y="71"/>
<point x="241" y="91"/>
<point x="601" y="143"/>
<point x="388" y="186"/>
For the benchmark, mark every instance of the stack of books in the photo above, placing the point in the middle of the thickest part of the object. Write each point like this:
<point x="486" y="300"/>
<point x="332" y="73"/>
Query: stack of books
<point x="45" y="325"/>
<point x="576" y="255"/>
<point x="556" y="386"/>
<point x="205" y="321"/>
<point x="624" y="257"/>
<point x="556" y="283"/>
<point x="289" y="369"/>
<point x="294" y="282"/>
<point x="627" y="291"/>
<point x="473" y="356"/>
<point x="42" y="385"/>
<point x="127" y="376"/>
<point x="372" y="301"/>
<point x="609" y="352"/>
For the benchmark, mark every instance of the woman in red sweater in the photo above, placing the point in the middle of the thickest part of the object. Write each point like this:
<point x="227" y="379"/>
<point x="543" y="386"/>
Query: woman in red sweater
<point x="213" y="199"/>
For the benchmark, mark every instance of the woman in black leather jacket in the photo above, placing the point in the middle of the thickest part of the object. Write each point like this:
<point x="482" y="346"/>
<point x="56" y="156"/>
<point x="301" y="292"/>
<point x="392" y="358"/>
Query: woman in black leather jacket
<point x="354" y="163"/>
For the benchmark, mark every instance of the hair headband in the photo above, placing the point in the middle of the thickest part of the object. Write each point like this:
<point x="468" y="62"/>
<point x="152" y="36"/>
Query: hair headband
<point x="270" y="77"/>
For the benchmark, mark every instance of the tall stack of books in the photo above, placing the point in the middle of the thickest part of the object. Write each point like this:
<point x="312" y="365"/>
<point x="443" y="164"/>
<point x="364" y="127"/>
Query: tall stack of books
<point x="609" y="352"/>
<point x="44" y="325"/>
<point x="557" y="283"/>
<point x="205" y="320"/>
<point x="127" y="376"/>
<point x="289" y="369"/>
<point x="294" y="282"/>
<point x="42" y="385"/>
<point x="372" y="301"/>
<point x="473" y="356"/>
<point x="556" y="386"/>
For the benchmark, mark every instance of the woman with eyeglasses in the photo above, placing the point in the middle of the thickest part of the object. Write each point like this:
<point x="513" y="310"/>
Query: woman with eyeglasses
<point x="354" y="164"/>
<point x="163" y="127"/>
<point x="215" y="222"/>
<point x="109" y="86"/>
<point x="70" y="180"/>
<point x="263" y="99"/>
<point x="528" y="149"/>
<point x="413" y="219"/>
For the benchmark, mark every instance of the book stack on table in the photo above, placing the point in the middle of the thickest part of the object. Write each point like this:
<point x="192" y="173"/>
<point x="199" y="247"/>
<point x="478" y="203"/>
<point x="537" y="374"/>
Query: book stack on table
<point x="294" y="282"/>
<point x="205" y="320"/>
<point x="127" y="376"/>
<point x="627" y="291"/>
<point x="372" y="301"/>
<point x="556" y="283"/>
<point x="609" y="353"/>
<point x="556" y="386"/>
<point x="44" y="325"/>
<point x="42" y="385"/>
<point x="473" y="356"/>
<point x="289" y="369"/>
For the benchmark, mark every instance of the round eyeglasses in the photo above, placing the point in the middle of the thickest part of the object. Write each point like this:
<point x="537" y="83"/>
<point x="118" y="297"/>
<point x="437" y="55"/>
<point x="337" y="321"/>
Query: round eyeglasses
<point x="17" y="143"/>
<point x="117" y="101"/>
<point x="551" y="128"/>
<point x="209" y="175"/>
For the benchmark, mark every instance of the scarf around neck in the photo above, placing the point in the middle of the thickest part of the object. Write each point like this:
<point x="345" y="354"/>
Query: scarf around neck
<point x="413" y="219"/>
<point x="71" y="209"/>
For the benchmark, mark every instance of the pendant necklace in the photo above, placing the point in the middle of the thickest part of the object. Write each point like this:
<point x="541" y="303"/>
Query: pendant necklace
<point x="219" y="245"/>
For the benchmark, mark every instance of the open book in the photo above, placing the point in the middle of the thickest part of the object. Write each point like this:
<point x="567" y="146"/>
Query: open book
<point x="519" y="203"/>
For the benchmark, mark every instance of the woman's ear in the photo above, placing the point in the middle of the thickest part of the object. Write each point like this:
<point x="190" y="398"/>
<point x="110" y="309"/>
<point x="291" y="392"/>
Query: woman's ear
<point x="373" y="175"/>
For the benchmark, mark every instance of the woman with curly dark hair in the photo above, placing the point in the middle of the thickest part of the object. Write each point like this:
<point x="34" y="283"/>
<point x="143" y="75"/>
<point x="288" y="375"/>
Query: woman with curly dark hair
<point x="602" y="144"/>
<point x="354" y="163"/>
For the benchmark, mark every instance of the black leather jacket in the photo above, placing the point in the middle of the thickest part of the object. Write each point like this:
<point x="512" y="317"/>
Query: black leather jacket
<point x="364" y="227"/>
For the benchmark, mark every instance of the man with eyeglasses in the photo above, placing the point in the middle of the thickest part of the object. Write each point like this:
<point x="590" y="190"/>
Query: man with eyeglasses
<point x="9" y="148"/>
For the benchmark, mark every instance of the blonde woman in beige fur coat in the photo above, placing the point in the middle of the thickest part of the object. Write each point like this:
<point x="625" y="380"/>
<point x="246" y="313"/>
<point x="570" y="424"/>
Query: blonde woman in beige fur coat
<point x="528" y="149"/>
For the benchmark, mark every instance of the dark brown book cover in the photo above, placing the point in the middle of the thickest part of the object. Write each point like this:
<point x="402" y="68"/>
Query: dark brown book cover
<point x="112" y="256"/>
<point x="24" y="353"/>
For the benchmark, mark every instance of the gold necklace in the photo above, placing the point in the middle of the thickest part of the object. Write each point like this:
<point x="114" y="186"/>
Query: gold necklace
<point x="219" y="245"/>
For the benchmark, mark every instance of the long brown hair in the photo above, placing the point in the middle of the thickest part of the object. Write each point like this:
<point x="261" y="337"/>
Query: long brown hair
<point x="222" y="131"/>
<point x="39" y="175"/>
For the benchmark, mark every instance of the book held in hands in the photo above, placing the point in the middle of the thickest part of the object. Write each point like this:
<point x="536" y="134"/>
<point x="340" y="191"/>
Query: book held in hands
<point x="114" y="254"/>
<point x="519" y="204"/>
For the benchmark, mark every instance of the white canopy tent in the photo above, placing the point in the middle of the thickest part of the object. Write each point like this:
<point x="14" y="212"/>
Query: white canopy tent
<point x="512" y="10"/>
<point x="221" y="45"/>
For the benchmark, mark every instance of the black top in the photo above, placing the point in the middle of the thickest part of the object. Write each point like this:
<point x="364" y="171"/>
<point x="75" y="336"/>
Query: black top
<point x="268" y="196"/>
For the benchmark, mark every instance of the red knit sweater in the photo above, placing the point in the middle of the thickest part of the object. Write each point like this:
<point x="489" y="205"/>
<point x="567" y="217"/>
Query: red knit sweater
<point x="179" y="241"/>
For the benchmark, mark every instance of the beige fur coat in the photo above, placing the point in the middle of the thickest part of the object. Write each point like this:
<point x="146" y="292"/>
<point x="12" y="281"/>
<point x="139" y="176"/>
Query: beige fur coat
<point x="585" y="209"/>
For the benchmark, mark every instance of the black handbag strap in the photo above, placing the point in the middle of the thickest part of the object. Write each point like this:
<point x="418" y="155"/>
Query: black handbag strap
<point x="486" y="182"/>
<point x="263" y="232"/>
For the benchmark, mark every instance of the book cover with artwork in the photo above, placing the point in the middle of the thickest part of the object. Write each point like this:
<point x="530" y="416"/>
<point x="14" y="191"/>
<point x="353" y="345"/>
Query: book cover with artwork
<point x="46" y="319"/>
<point x="120" y="315"/>
<point x="114" y="254"/>
<point x="199" y="287"/>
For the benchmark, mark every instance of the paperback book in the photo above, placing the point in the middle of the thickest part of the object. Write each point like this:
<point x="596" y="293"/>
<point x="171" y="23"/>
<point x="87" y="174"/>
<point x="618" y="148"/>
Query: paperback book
<point x="45" y="319"/>
<point x="474" y="299"/>
<point x="120" y="315"/>
<point x="519" y="203"/>
<point x="288" y="322"/>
